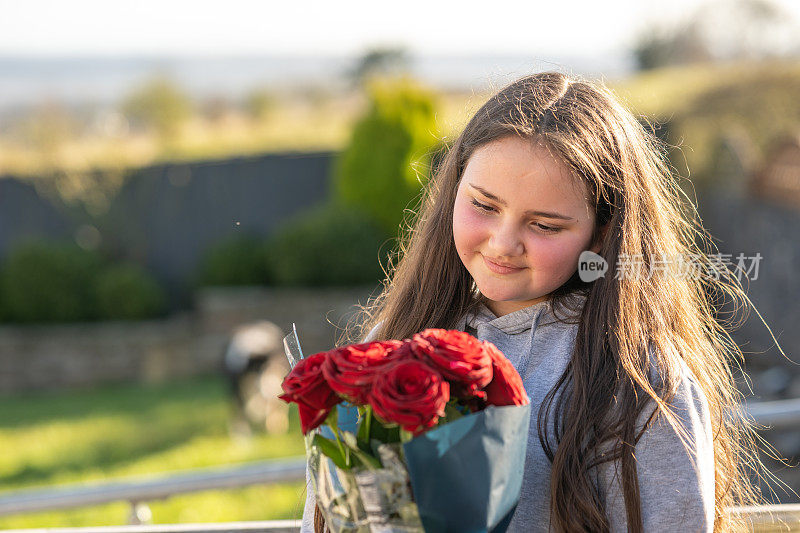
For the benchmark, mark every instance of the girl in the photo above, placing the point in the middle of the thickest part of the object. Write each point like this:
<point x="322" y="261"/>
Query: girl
<point x="634" y="423"/>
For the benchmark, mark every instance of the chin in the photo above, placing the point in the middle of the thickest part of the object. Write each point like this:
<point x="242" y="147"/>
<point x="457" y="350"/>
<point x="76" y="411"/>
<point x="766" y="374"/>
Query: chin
<point x="499" y="295"/>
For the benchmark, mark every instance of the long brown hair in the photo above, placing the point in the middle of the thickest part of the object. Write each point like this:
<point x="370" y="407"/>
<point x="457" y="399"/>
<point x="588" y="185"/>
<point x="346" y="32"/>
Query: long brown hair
<point x="629" y="329"/>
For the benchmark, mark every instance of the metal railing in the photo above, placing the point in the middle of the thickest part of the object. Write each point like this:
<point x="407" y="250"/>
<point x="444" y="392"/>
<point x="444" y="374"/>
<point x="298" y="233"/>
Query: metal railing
<point x="766" y="519"/>
<point x="272" y="526"/>
<point x="771" y="518"/>
<point x="141" y="490"/>
<point x="780" y="414"/>
<point x="777" y="415"/>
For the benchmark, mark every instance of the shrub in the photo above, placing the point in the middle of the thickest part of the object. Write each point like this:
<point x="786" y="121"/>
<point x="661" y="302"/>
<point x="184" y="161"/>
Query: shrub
<point x="160" y="105"/>
<point x="49" y="281"/>
<point x="332" y="245"/>
<point x="127" y="292"/>
<point x="388" y="158"/>
<point x="238" y="260"/>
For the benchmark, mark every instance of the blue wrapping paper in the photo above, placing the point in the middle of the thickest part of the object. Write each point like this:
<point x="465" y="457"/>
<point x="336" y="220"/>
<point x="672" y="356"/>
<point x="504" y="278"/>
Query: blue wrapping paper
<point x="466" y="475"/>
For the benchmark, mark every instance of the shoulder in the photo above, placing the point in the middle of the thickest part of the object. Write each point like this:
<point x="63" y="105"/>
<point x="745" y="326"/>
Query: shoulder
<point x="689" y="417"/>
<point x="687" y="396"/>
<point x="676" y="460"/>
<point x="689" y="425"/>
<point x="690" y="420"/>
<point x="675" y="464"/>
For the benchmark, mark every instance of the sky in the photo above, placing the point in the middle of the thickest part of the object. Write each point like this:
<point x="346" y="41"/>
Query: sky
<point x="341" y="27"/>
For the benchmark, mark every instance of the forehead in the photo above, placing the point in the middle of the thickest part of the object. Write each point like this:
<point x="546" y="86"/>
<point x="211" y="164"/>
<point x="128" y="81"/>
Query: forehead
<point x="528" y="175"/>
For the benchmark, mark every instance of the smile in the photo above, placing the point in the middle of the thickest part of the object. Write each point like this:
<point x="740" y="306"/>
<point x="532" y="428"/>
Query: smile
<point x="500" y="269"/>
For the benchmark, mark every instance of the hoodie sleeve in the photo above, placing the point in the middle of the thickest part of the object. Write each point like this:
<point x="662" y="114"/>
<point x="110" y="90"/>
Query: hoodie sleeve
<point x="676" y="484"/>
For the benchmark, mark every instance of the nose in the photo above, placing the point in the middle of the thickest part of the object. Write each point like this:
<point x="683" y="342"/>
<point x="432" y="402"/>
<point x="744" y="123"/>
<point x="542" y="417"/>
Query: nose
<point x="505" y="241"/>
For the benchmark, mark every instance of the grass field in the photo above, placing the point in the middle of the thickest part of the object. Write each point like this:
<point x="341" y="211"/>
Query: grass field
<point x="131" y="430"/>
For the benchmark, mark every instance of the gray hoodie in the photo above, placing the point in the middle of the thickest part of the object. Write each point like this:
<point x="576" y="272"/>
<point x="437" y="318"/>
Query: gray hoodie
<point x="676" y="486"/>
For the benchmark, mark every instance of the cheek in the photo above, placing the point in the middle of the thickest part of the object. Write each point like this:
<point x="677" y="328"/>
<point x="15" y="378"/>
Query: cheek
<point x="559" y="255"/>
<point x="469" y="229"/>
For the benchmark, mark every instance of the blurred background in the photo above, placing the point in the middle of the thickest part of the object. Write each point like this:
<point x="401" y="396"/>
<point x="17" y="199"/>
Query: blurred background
<point x="180" y="182"/>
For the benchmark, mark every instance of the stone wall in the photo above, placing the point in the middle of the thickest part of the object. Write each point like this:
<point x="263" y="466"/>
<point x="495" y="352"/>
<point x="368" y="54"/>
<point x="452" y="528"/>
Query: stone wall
<point x="186" y="344"/>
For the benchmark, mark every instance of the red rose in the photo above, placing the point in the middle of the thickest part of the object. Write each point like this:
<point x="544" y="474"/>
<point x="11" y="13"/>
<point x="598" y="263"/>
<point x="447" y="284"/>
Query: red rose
<point x="411" y="394"/>
<point x="506" y="387"/>
<point x="350" y="370"/>
<point x="458" y="356"/>
<point x="306" y="386"/>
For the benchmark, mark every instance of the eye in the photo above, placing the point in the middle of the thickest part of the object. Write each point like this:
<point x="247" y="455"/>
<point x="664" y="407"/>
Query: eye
<point x="490" y="209"/>
<point x="484" y="207"/>
<point x="546" y="229"/>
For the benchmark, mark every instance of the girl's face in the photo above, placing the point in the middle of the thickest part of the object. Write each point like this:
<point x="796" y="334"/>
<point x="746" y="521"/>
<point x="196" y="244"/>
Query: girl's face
<point x="520" y="221"/>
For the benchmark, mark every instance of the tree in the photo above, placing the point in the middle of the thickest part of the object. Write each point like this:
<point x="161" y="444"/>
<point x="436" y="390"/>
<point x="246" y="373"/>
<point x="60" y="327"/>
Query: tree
<point x="260" y="103"/>
<point x="380" y="61"/>
<point x="388" y="158"/>
<point x="721" y="30"/>
<point x="159" y="105"/>
<point x="659" y="47"/>
<point x="48" y="127"/>
<point x="748" y="29"/>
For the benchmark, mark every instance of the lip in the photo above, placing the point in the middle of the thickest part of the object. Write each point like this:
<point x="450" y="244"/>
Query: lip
<point x="499" y="268"/>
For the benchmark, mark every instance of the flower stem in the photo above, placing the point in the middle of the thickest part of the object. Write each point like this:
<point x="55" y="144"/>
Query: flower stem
<point x="405" y="436"/>
<point x="344" y="449"/>
<point x="368" y="419"/>
<point x="333" y="422"/>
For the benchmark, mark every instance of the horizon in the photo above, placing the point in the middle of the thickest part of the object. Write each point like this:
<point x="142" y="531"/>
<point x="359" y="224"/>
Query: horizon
<point x="347" y="27"/>
<point x="90" y="51"/>
<point x="75" y="80"/>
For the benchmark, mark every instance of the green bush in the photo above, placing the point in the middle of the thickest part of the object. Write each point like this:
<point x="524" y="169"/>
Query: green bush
<point x="388" y="158"/>
<point x="49" y="281"/>
<point x="126" y="292"/>
<point x="238" y="260"/>
<point x="159" y="104"/>
<point x="329" y="246"/>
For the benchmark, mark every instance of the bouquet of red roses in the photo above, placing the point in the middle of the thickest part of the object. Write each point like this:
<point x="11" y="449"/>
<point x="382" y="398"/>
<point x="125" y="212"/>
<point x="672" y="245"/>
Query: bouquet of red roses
<point x="442" y="417"/>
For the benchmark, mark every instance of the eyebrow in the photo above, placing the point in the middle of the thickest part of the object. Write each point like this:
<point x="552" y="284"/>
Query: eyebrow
<point x="529" y="212"/>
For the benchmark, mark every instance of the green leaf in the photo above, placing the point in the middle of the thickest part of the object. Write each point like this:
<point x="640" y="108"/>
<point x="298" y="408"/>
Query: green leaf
<point x="388" y="433"/>
<point x="365" y="459"/>
<point x="332" y="450"/>
<point x="368" y="461"/>
<point x="333" y="418"/>
<point x="364" y="424"/>
<point x="451" y="412"/>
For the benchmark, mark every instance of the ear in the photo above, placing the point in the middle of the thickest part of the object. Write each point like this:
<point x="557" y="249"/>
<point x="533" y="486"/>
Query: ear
<point x="601" y="235"/>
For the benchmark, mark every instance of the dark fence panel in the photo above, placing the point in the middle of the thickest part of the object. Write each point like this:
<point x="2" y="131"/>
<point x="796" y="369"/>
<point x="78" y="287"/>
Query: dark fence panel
<point x="24" y="213"/>
<point x="166" y="216"/>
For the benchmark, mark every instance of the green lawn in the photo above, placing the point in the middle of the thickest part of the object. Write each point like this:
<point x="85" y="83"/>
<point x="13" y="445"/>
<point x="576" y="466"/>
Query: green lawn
<point x="130" y="430"/>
